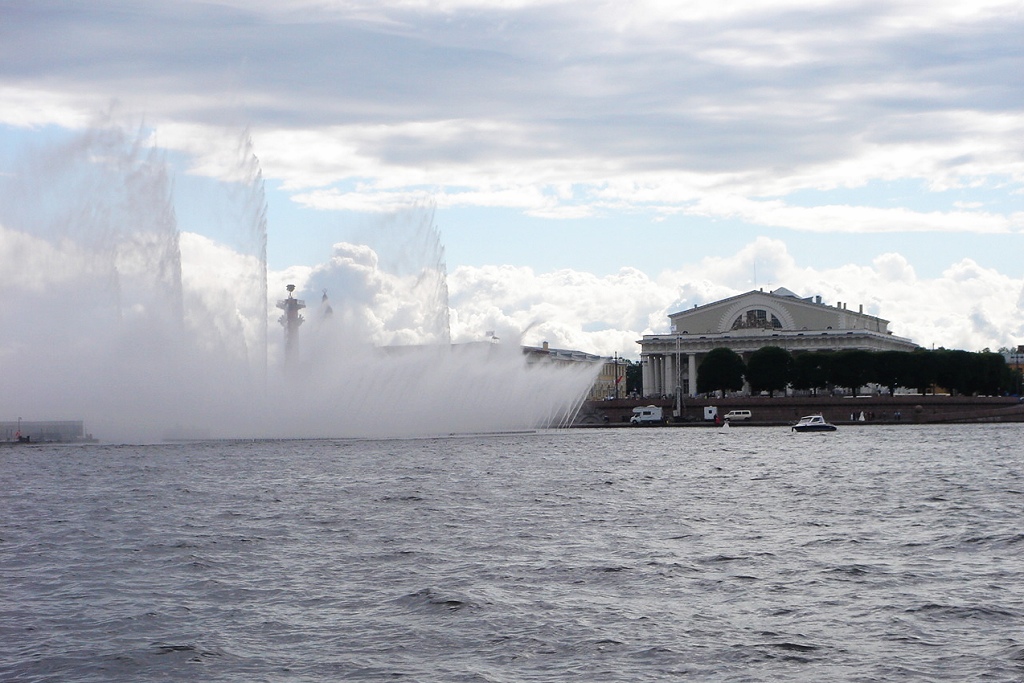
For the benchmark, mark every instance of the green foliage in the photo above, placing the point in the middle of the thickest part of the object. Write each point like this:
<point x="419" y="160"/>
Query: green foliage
<point x="994" y="375"/>
<point x="973" y="373"/>
<point x="952" y="370"/>
<point x="770" y="369"/>
<point x="1014" y="381"/>
<point x="721" y="370"/>
<point x="851" y="369"/>
<point x="634" y="378"/>
<point x="811" y="370"/>
<point x="892" y="369"/>
<point x="959" y="372"/>
<point x="921" y="370"/>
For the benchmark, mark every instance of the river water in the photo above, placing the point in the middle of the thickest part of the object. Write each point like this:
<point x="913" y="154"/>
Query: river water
<point x="870" y="554"/>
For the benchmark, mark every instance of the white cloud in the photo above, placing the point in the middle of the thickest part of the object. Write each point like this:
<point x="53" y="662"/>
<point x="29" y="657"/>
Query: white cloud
<point x="36" y="107"/>
<point x="966" y="307"/>
<point x="566" y="308"/>
<point x="894" y="268"/>
<point x="856" y="219"/>
<point x="647" y="108"/>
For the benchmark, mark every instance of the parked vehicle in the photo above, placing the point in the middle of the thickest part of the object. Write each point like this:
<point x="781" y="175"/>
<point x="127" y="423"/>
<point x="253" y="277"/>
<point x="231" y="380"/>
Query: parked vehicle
<point x="646" y="415"/>
<point x="737" y="415"/>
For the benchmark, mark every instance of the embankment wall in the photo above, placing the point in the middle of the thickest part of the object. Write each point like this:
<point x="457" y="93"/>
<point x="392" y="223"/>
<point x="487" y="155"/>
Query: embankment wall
<point x="909" y="409"/>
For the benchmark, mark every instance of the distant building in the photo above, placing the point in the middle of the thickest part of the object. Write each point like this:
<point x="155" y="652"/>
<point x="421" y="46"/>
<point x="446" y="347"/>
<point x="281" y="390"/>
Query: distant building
<point x="603" y="386"/>
<point x="611" y="381"/>
<point x="44" y="431"/>
<point x="612" y="374"/>
<point x="1015" y="359"/>
<point x="750" y="321"/>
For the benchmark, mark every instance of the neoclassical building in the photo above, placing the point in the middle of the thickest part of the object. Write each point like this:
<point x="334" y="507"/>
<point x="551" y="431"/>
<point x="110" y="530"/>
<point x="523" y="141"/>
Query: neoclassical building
<point x="750" y="321"/>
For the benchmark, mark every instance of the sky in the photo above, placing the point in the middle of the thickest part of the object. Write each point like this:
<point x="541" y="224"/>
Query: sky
<point x="590" y="167"/>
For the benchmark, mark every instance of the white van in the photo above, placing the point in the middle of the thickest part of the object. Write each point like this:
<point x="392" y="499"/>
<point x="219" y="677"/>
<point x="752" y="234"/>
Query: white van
<point x="738" y="415"/>
<point x="648" y="415"/>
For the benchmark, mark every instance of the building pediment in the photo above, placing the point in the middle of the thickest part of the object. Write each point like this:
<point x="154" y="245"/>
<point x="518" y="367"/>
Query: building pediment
<point x="780" y="310"/>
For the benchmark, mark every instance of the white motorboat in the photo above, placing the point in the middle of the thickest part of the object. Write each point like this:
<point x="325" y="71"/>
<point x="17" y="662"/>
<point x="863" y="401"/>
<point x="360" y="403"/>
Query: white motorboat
<point x="813" y="423"/>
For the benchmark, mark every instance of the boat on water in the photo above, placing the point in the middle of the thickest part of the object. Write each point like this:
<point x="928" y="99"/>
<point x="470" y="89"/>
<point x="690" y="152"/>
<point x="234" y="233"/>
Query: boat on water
<point x="813" y="423"/>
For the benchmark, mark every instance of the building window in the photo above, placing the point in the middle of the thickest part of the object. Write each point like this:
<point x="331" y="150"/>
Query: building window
<point x="756" y="318"/>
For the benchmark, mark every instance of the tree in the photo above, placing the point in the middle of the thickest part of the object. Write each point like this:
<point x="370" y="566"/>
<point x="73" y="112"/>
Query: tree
<point x="811" y="370"/>
<point x="892" y="369"/>
<point x="993" y="374"/>
<point x="953" y="371"/>
<point x="769" y="369"/>
<point x="634" y="378"/>
<point x="851" y="369"/>
<point x="721" y="370"/>
<point x="1015" y="381"/>
<point x="922" y="370"/>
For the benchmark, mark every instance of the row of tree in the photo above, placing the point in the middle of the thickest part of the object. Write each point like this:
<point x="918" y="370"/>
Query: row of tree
<point x="772" y="369"/>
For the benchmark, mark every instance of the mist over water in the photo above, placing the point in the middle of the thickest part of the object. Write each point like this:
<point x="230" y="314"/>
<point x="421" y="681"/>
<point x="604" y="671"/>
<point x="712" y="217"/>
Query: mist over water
<point x="150" y="319"/>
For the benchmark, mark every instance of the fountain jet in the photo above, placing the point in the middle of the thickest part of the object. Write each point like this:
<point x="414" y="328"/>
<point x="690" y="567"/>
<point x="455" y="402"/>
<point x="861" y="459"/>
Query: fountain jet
<point x="145" y="314"/>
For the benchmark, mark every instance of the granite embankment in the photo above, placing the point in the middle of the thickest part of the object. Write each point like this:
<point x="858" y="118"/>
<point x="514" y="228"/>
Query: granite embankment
<point x="906" y="409"/>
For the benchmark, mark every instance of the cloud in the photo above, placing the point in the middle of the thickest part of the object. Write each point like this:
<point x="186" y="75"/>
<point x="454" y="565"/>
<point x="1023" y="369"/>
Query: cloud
<point x="856" y="219"/>
<point x="567" y="308"/>
<point x="967" y="307"/>
<point x="497" y="104"/>
<point x="35" y="107"/>
<point x="894" y="268"/>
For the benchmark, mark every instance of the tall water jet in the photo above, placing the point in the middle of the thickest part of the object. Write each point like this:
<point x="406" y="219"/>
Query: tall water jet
<point x="382" y="362"/>
<point x="140" y="314"/>
<point x="406" y="250"/>
<point x="105" y="323"/>
<point x="93" y="254"/>
<point x="224" y="246"/>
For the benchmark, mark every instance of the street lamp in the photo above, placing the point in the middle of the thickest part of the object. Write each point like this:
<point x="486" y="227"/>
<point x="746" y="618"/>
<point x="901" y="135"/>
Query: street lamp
<point x="615" y="377"/>
<point x="679" y="380"/>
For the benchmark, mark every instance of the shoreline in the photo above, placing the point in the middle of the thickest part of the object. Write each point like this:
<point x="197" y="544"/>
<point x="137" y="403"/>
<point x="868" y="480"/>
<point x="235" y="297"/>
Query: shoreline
<point x="839" y="410"/>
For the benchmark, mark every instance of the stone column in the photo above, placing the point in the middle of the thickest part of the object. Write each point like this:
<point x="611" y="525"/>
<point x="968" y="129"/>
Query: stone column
<point x="692" y="369"/>
<point x="666" y="363"/>
<point x="648" y="375"/>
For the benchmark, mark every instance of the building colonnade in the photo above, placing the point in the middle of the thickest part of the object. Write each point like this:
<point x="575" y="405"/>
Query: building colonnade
<point x="671" y="361"/>
<point x="666" y="373"/>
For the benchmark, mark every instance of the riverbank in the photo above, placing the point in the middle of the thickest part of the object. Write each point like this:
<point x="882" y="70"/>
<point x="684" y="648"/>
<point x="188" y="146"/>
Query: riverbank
<point x="782" y="410"/>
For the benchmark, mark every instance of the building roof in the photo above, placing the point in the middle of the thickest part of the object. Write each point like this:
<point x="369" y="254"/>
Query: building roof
<point x="782" y="310"/>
